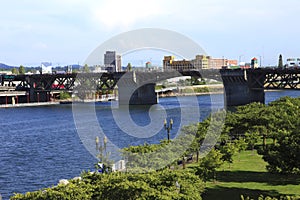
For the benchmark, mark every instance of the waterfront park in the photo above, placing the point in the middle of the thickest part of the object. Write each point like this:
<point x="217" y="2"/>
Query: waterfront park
<point x="257" y="156"/>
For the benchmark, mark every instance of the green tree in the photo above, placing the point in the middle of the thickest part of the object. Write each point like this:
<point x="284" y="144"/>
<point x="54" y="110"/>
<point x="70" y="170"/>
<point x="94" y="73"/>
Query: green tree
<point x="252" y="139"/>
<point x="86" y="68"/>
<point x="288" y="150"/>
<point x="227" y="151"/>
<point x="199" y="130"/>
<point x="195" y="81"/>
<point x="208" y="165"/>
<point x="22" y="69"/>
<point x="129" y="67"/>
<point x="241" y="145"/>
<point x="283" y="154"/>
<point x="14" y="71"/>
<point x="280" y="62"/>
<point x="64" y="95"/>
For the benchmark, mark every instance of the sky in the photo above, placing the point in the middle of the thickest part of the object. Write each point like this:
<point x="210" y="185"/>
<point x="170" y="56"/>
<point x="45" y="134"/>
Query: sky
<point x="67" y="31"/>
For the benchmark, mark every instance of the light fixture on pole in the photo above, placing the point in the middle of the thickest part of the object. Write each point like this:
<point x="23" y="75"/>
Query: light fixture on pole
<point x="168" y="127"/>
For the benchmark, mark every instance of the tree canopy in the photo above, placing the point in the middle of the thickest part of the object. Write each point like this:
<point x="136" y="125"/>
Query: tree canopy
<point x="278" y="121"/>
<point x="22" y="69"/>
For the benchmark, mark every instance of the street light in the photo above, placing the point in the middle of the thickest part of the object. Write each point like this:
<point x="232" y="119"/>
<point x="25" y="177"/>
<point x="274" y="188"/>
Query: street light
<point x="105" y="142"/>
<point x="260" y="61"/>
<point x="168" y="127"/>
<point x="97" y="143"/>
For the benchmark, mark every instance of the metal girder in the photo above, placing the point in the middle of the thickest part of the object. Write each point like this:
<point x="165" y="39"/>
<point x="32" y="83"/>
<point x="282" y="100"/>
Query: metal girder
<point x="283" y="79"/>
<point x="268" y="78"/>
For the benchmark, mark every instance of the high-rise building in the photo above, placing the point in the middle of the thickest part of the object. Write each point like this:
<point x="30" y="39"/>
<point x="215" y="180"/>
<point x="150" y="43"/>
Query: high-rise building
<point x="112" y="61"/>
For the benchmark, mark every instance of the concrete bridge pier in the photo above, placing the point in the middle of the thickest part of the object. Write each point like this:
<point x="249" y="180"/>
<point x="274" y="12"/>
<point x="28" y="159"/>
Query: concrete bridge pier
<point x="134" y="92"/>
<point x="39" y="96"/>
<point x="242" y="88"/>
<point x="32" y="95"/>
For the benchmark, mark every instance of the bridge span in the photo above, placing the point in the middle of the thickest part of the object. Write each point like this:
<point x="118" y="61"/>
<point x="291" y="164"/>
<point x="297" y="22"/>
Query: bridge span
<point x="135" y="88"/>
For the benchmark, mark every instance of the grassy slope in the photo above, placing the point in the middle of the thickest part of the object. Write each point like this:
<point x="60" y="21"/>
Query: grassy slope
<point x="248" y="176"/>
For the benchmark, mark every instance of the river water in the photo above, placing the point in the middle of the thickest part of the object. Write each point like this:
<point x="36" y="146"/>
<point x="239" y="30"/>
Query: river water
<point x="40" y="145"/>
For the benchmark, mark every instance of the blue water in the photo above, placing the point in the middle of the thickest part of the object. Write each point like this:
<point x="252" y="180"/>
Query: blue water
<point x="40" y="145"/>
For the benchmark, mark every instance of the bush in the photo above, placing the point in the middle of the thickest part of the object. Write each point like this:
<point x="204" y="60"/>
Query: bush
<point x="64" y="95"/>
<point x="165" y="184"/>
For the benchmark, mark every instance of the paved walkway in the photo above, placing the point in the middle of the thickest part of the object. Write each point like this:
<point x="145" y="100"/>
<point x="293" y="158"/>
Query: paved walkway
<point x="28" y="104"/>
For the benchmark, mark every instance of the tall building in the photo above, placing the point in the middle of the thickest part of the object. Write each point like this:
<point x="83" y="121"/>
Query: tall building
<point x="200" y="62"/>
<point x="112" y="61"/>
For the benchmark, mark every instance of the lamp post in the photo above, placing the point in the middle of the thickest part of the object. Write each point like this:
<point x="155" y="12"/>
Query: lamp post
<point x="105" y="142"/>
<point x="103" y="163"/>
<point x="260" y="61"/>
<point x="97" y="143"/>
<point x="168" y="127"/>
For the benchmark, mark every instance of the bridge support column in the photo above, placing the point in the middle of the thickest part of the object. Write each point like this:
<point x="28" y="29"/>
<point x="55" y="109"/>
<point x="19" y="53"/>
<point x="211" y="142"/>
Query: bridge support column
<point x="242" y="88"/>
<point x="32" y="97"/>
<point x="144" y="95"/>
<point x="133" y="91"/>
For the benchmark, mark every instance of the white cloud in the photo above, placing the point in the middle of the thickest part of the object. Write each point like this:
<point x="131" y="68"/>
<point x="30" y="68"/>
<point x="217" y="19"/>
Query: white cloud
<point x="40" y="46"/>
<point x="223" y="26"/>
<point x="123" y="14"/>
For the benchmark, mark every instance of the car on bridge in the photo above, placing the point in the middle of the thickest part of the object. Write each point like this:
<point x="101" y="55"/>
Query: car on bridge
<point x="57" y="86"/>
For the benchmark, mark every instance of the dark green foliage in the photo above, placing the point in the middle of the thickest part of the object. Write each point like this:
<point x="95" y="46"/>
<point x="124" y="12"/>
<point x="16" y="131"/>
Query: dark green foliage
<point x="284" y="156"/>
<point x="64" y="95"/>
<point x="125" y="186"/>
<point x="22" y="69"/>
<point x="227" y="151"/>
<point x="73" y="190"/>
<point x="144" y="158"/>
<point x="208" y="165"/>
<point x="278" y="121"/>
<point x="14" y="71"/>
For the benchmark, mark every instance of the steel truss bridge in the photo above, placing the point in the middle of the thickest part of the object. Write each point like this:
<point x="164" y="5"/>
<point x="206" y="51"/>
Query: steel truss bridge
<point x="253" y="79"/>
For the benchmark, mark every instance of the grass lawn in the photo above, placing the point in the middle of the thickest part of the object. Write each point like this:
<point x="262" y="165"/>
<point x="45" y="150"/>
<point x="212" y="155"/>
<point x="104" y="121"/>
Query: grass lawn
<point x="248" y="176"/>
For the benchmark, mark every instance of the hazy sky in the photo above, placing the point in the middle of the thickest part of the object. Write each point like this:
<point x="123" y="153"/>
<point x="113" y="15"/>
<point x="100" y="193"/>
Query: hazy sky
<point x="67" y="31"/>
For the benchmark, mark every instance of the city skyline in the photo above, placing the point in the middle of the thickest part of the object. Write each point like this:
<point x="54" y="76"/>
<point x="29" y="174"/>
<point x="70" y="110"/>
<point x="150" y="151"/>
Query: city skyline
<point x="66" y="32"/>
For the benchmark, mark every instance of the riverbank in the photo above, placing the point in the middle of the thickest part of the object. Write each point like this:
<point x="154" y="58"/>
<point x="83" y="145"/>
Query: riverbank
<point x="188" y="94"/>
<point x="29" y="104"/>
<point x="197" y="90"/>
